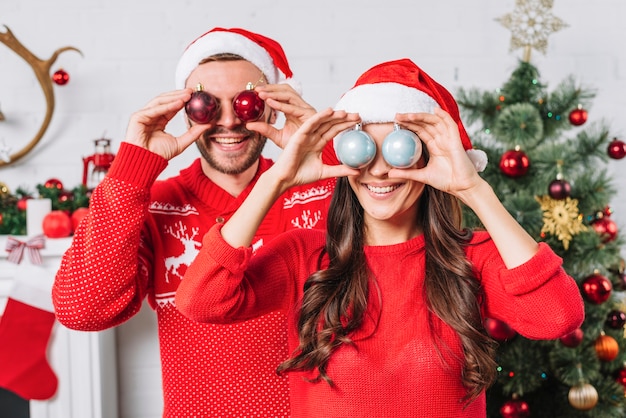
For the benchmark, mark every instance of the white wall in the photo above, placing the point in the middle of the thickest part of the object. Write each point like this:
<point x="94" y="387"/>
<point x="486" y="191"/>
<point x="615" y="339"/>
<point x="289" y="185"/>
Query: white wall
<point x="131" y="47"/>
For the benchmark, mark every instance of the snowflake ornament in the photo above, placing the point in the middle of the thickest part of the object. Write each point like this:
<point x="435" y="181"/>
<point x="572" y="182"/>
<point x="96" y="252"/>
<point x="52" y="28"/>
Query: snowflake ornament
<point x="561" y="218"/>
<point x="530" y="23"/>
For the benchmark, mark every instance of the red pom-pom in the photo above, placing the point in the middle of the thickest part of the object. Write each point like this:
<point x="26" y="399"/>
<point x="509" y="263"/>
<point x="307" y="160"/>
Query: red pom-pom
<point x="57" y="224"/>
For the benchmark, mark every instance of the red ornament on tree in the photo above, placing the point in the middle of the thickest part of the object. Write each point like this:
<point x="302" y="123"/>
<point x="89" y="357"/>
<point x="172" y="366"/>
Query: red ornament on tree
<point x="616" y="149"/>
<point x="597" y="288"/>
<point x="60" y="77"/>
<point x="202" y="107"/>
<point x="606" y="348"/>
<point x="515" y="408"/>
<point x="21" y="203"/>
<point x="559" y="189"/>
<point x="620" y="377"/>
<point x="616" y="319"/>
<point x="573" y="339"/>
<point x="499" y="330"/>
<point x="514" y="163"/>
<point x="606" y="228"/>
<point x="578" y="116"/>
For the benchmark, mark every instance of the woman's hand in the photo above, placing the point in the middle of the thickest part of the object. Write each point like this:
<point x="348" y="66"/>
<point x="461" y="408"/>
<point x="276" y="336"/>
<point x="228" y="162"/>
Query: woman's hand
<point x="449" y="168"/>
<point x="146" y="127"/>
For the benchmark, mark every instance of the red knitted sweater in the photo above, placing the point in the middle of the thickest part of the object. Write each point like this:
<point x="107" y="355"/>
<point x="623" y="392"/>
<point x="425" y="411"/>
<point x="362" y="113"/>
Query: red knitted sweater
<point x="393" y="369"/>
<point x="138" y="240"/>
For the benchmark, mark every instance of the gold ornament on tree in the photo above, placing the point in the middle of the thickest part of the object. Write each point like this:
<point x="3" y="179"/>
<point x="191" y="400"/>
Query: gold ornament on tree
<point x="561" y="218"/>
<point x="530" y="23"/>
<point x="582" y="396"/>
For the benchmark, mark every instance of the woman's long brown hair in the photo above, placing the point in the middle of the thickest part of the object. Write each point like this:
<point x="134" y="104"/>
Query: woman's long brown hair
<point x="335" y="299"/>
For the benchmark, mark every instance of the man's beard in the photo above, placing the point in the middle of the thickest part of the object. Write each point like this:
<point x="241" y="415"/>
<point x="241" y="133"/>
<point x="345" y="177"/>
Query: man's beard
<point x="239" y="163"/>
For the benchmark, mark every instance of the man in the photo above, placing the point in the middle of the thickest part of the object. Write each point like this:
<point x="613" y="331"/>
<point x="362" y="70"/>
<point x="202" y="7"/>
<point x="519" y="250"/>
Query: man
<point x="141" y="234"/>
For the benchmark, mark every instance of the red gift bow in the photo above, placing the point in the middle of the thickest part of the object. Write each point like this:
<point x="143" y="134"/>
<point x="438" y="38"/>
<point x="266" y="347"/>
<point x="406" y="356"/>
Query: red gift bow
<point x="16" y="247"/>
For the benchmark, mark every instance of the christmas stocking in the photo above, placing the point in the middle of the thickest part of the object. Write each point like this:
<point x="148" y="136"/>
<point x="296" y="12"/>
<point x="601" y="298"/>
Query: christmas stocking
<point x="25" y="328"/>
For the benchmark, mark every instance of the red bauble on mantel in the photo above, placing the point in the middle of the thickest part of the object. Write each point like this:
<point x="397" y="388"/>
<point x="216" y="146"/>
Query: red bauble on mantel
<point x="597" y="288"/>
<point x="57" y="224"/>
<point x="514" y="163"/>
<point x="578" y="116"/>
<point x="616" y="149"/>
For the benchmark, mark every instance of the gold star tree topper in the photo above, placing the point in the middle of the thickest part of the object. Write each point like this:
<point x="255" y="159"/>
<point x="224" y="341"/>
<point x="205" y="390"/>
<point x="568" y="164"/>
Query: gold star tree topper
<point x="530" y="23"/>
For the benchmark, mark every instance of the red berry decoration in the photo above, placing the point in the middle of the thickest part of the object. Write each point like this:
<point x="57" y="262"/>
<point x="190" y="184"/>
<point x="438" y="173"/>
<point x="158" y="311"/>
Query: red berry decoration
<point x="573" y="339"/>
<point x="578" y="116"/>
<point x="53" y="184"/>
<point x="57" y="224"/>
<point x="515" y="408"/>
<point x="597" y="288"/>
<point x="616" y="149"/>
<point x="60" y="77"/>
<point x="616" y="319"/>
<point x="202" y="107"/>
<point x="499" y="330"/>
<point x="514" y="163"/>
<point x="559" y="189"/>
<point x="248" y="106"/>
<point x="606" y="228"/>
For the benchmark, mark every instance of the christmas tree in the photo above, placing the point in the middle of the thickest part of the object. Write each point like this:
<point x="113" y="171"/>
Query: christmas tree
<point x="548" y="166"/>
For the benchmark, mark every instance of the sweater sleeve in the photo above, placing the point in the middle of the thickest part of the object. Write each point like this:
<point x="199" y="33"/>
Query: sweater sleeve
<point x="103" y="276"/>
<point x="538" y="298"/>
<point x="227" y="285"/>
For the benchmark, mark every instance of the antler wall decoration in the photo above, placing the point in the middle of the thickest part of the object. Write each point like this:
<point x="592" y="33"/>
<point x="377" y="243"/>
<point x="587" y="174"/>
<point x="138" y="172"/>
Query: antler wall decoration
<point x="41" y="69"/>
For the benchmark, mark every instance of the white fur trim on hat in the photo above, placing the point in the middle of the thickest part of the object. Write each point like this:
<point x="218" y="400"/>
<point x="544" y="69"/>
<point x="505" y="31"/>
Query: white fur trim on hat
<point x="225" y="42"/>
<point x="379" y="103"/>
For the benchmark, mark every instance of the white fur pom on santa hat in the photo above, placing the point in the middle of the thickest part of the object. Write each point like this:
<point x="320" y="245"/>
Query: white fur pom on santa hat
<point x="260" y="50"/>
<point x="402" y="87"/>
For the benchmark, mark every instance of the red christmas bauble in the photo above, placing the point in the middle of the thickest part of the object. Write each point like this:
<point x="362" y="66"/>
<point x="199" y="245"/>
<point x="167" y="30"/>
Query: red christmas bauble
<point x="515" y="408"/>
<point x="616" y="319"/>
<point x="616" y="149"/>
<point x="620" y="377"/>
<point x="78" y="216"/>
<point x="597" y="288"/>
<point x="57" y="224"/>
<point x="61" y="77"/>
<point x="606" y="348"/>
<point x="573" y="339"/>
<point x="559" y="189"/>
<point x="606" y="228"/>
<point x="514" y="163"/>
<point x="202" y="107"/>
<point x="499" y="330"/>
<point x="21" y="203"/>
<point x="578" y="116"/>
<point x="248" y="106"/>
<point x="53" y="184"/>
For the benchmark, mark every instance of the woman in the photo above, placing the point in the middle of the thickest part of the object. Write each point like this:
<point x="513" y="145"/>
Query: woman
<point x="387" y="307"/>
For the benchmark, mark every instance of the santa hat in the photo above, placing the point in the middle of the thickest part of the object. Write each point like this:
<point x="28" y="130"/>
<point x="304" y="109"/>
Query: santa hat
<point x="265" y="53"/>
<point x="402" y="87"/>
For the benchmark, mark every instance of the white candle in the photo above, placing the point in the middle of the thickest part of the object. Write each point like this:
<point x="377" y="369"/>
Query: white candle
<point x="36" y="210"/>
